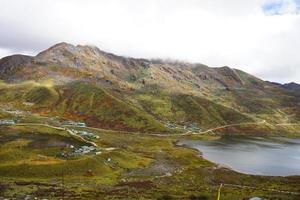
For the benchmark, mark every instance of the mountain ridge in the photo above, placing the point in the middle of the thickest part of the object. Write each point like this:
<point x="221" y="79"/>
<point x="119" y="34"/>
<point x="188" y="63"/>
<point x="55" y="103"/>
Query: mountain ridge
<point x="18" y="59"/>
<point x="158" y="92"/>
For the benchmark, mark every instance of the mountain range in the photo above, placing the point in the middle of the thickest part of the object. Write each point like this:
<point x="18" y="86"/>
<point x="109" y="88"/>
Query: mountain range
<point x="107" y="91"/>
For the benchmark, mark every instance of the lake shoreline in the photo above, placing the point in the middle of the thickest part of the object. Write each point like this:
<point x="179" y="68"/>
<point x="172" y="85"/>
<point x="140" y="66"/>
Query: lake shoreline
<point x="217" y="164"/>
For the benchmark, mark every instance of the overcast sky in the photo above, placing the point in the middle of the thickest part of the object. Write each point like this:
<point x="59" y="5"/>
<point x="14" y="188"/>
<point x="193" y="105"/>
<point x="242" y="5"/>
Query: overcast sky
<point x="261" y="37"/>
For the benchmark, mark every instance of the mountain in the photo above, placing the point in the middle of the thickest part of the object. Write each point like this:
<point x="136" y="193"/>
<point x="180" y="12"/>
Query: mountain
<point x="291" y="86"/>
<point x="158" y="96"/>
<point x="288" y="86"/>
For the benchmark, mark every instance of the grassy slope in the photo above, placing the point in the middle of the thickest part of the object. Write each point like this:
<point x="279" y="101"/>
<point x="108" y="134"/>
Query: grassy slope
<point x="190" y="109"/>
<point x="39" y="93"/>
<point x="135" y="171"/>
<point x="80" y="101"/>
<point x="94" y="105"/>
<point x="30" y="154"/>
<point x="100" y="109"/>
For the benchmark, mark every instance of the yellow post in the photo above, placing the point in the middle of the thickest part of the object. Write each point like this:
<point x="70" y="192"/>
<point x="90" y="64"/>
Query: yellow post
<point x="219" y="192"/>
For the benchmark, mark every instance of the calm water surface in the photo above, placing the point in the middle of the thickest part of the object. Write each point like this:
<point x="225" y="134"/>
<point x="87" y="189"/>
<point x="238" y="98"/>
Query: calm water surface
<point x="253" y="155"/>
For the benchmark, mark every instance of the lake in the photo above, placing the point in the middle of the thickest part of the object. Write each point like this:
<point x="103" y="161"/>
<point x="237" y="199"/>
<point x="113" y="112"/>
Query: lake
<point x="275" y="156"/>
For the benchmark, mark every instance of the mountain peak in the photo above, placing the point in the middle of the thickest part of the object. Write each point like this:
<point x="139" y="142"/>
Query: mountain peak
<point x="61" y="45"/>
<point x="60" y="53"/>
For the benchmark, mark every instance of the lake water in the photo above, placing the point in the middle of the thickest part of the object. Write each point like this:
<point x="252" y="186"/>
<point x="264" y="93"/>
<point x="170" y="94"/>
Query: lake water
<point x="252" y="155"/>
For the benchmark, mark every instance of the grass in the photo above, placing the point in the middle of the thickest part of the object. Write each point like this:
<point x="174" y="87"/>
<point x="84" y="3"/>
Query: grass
<point x="188" y="109"/>
<point x="141" y="166"/>
<point x="79" y="101"/>
<point x="148" y="109"/>
<point x="137" y="169"/>
<point x="99" y="108"/>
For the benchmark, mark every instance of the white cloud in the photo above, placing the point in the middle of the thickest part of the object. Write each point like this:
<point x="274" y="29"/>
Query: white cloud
<point x="236" y="33"/>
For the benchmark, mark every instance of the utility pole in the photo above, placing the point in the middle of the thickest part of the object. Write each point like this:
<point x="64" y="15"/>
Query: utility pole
<point x="219" y="191"/>
<point x="62" y="185"/>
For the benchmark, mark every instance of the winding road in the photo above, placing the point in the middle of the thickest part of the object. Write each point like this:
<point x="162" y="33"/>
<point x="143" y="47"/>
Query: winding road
<point x="152" y="134"/>
<point x="230" y="125"/>
<point x="212" y="129"/>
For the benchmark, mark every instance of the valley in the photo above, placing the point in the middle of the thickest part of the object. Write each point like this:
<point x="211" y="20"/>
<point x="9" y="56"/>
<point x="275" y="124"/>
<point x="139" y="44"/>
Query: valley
<point x="133" y="164"/>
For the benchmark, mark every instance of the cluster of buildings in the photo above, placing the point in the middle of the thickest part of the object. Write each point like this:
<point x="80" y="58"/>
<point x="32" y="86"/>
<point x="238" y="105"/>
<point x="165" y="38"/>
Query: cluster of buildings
<point x="171" y="125"/>
<point x="193" y="127"/>
<point x="72" y="123"/>
<point x="85" y="134"/>
<point x="7" y="122"/>
<point x="82" y="150"/>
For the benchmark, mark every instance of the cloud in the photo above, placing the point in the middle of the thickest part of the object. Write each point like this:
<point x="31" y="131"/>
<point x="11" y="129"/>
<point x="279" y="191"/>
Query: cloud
<point x="258" y="36"/>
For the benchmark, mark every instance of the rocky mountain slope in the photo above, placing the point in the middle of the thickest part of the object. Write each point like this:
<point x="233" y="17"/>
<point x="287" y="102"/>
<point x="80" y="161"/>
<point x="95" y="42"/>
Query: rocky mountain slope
<point x="113" y="92"/>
